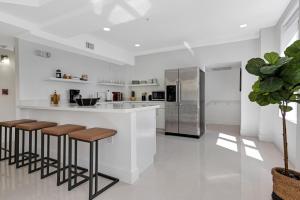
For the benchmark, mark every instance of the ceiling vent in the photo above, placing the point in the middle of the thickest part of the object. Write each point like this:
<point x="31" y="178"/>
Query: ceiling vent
<point x="221" y="68"/>
<point x="90" y="45"/>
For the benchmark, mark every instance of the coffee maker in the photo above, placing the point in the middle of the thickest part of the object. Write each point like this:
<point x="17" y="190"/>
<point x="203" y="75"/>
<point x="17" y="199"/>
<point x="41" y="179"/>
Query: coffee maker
<point x="74" y="94"/>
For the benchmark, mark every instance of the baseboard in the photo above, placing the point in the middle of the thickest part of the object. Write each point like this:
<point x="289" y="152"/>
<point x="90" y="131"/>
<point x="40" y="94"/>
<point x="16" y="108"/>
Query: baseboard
<point x="265" y="138"/>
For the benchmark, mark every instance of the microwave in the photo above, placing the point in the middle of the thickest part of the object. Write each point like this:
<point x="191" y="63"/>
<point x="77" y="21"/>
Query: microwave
<point x="158" y="96"/>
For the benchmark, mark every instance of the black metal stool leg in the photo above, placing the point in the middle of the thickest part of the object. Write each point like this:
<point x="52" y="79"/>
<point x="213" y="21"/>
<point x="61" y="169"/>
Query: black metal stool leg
<point x="64" y="157"/>
<point x="42" y="155"/>
<point x="23" y="147"/>
<point x="5" y="143"/>
<point x="1" y="142"/>
<point x="58" y="159"/>
<point x="70" y="165"/>
<point x="11" y="157"/>
<point x="30" y="151"/>
<point x="17" y="147"/>
<point x="91" y="171"/>
<point x="35" y="149"/>
<point x="96" y="165"/>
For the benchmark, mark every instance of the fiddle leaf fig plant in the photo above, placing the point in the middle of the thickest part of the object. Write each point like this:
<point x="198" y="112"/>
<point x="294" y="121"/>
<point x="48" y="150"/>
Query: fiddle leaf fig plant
<point x="278" y="80"/>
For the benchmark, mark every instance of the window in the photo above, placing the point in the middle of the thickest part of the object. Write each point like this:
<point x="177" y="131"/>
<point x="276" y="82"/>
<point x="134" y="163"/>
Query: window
<point x="290" y="33"/>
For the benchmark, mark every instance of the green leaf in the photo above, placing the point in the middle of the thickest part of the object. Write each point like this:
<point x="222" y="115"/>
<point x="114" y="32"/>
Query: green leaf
<point x="296" y="89"/>
<point x="269" y="69"/>
<point x="285" y="108"/>
<point x="272" y="57"/>
<point x="275" y="96"/>
<point x="285" y="94"/>
<point x="252" y="96"/>
<point x="253" y="66"/>
<point x="291" y="74"/>
<point x="294" y="51"/>
<point x="263" y="100"/>
<point x="284" y="60"/>
<point x="271" y="84"/>
<point x="255" y="86"/>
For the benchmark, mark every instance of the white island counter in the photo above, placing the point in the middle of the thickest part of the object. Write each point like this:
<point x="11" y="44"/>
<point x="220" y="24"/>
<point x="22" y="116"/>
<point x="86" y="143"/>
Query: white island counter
<point x="128" y="153"/>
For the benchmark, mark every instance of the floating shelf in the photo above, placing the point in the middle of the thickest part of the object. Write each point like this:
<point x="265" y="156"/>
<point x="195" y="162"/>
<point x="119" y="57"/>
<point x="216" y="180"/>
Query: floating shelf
<point x="143" y="85"/>
<point x="69" y="80"/>
<point x="112" y="84"/>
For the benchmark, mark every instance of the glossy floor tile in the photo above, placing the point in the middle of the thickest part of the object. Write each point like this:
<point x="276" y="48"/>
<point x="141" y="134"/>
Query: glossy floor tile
<point x="221" y="165"/>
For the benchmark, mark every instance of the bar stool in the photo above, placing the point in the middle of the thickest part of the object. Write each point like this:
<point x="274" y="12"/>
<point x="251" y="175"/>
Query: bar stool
<point x="60" y="132"/>
<point x="8" y="138"/>
<point x="91" y="136"/>
<point x="31" y="128"/>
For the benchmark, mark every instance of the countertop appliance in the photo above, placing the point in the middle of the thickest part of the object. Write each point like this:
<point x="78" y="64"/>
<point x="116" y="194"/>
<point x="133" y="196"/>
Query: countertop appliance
<point x="74" y="94"/>
<point x="185" y="102"/>
<point x="158" y="96"/>
<point x="117" y="96"/>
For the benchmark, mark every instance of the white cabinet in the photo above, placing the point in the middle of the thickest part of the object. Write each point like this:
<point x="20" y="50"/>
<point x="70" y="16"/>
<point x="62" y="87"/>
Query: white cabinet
<point x="160" y="118"/>
<point x="160" y="112"/>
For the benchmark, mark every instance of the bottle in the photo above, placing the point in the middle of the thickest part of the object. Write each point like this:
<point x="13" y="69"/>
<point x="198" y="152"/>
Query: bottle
<point x="55" y="98"/>
<point x="108" y="96"/>
<point x="58" y="73"/>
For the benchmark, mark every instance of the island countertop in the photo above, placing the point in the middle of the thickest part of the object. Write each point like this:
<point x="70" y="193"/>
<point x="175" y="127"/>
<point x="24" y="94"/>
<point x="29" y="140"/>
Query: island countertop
<point x="128" y="153"/>
<point x="109" y="107"/>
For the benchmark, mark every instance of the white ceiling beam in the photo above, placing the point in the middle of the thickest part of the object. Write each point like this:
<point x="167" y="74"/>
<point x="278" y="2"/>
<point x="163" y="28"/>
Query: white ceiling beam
<point x="31" y="3"/>
<point x="103" y="50"/>
<point x="66" y="16"/>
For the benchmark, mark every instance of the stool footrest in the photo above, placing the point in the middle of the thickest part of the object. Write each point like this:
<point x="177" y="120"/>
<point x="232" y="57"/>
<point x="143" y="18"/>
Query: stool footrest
<point x="25" y="157"/>
<point x="86" y="178"/>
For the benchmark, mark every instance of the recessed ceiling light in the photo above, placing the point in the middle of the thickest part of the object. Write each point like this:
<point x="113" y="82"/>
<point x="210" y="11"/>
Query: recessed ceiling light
<point x="106" y="29"/>
<point x="137" y="45"/>
<point x="243" y="25"/>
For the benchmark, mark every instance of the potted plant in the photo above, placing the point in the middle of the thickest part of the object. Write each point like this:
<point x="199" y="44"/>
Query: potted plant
<point x="278" y="83"/>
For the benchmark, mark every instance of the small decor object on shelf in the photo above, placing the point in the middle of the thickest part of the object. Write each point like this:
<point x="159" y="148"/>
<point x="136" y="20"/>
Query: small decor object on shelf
<point x="144" y="95"/>
<point x="5" y="92"/>
<point x="55" y="98"/>
<point x="58" y="73"/>
<point x="132" y="97"/>
<point x="135" y="82"/>
<point x="279" y="83"/>
<point x="84" y="77"/>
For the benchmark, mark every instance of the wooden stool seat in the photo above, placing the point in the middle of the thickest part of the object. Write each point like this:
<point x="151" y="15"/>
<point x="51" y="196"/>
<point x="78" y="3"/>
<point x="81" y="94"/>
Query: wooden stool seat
<point x="35" y="125"/>
<point x="92" y="134"/>
<point x="62" y="129"/>
<point x="8" y="138"/>
<point x="13" y="123"/>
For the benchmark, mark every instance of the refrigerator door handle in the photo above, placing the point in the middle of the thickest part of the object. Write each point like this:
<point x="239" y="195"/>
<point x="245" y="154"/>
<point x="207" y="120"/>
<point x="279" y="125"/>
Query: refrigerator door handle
<point x="179" y="92"/>
<point x="177" y="96"/>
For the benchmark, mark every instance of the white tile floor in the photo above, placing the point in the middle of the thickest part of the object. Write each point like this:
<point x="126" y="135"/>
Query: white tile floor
<point x="221" y="165"/>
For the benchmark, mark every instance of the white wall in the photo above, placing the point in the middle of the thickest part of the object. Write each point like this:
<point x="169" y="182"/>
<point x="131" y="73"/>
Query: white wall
<point x="34" y="71"/>
<point x="223" y="97"/>
<point x="7" y="81"/>
<point x="153" y="65"/>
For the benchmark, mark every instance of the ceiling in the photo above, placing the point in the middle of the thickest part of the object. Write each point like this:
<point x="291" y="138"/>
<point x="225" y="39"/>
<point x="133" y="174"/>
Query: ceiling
<point x="155" y="24"/>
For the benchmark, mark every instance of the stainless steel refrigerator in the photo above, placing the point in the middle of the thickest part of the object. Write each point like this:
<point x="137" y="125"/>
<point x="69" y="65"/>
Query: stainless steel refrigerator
<point x="185" y="102"/>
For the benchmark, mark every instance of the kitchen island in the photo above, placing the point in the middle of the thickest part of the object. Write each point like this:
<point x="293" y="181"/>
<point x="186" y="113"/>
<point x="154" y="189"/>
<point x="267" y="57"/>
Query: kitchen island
<point x="127" y="154"/>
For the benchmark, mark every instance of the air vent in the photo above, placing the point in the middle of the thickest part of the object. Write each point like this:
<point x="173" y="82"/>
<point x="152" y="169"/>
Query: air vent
<point x="90" y="45"/>
<point x="44" y="54"/>
<point x="221" y="68"/>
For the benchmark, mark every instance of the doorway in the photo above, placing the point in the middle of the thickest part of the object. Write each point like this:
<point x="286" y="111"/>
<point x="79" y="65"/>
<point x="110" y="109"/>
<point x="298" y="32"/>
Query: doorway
<point x="223" y="97"/>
